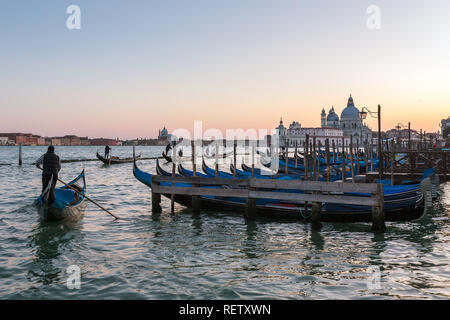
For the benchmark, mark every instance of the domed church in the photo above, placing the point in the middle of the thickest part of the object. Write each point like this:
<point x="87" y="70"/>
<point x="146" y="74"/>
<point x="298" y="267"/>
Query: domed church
<point x="350" y="122"/>
<point x="164" y="134"/>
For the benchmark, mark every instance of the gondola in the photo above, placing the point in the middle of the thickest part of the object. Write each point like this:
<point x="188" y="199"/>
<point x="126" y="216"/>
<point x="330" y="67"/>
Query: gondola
<point x="189" y="173"/>
<point x="68" y="204"/>
<point x="212" y="172"/>
<point x="403" y="209"/>
<point x="257" y="173"/>
<point x="115" y="160"/>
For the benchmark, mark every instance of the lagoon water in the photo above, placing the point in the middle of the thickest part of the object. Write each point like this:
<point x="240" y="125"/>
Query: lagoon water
<point x="213" y="256"/>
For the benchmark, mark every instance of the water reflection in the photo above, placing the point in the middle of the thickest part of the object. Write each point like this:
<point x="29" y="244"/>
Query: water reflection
<point x="48" y="241"/>
<point x="317" y="240"/>
<point x="197" y="224"/>
<point x="251" y="245"/>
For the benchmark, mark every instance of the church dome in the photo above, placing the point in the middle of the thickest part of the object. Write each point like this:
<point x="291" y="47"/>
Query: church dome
<point x="350" y="112"/>
<point x="164" y="132"/>
<point x="332" y="116"/>
<point x="281" y="126"/>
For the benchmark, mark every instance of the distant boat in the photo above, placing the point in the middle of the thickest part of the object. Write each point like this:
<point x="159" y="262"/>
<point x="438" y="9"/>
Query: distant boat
<point x="165" y="156"/>
<point x="115" y="160"/>
<point x="68" y="204"/>
<point x="166" y="153"/>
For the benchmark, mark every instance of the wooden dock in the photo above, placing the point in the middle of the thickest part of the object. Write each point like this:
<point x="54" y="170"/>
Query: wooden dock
<point x="252" y="189"/>
<point x="411" y="164"/>
<point x="398" y="177"/>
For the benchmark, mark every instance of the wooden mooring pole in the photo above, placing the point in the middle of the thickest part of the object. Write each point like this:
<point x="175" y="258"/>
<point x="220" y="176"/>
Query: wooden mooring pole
<point x="253" y="160"/>
<point x="172" y="197"/>
<point x="327" y="155"/>
<point x="20" y="153"/>
<point x="319" y="158"/>
<point x="156" y="201"/>
<point x="217" y="160"/>
<point x="306" y="165"/>
<point x="314" y="157"/>
<point x="392" y="167"/>
<point x="234" y="158"/>
<point x="286" y="157"/>
<point x="296" y="157"/>
<point x="357" y="157"/>
<point x="305" y="156"/>
<point x="351" y="159"/>
<point x="378" y="215"/>
<point x="316" y="215"/>
<point x="343" y="161"/>
<point x="196" y="200"/>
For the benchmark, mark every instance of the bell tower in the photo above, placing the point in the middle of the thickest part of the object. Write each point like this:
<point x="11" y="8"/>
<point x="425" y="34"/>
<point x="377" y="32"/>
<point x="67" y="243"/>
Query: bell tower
<point x="323" y="118"/>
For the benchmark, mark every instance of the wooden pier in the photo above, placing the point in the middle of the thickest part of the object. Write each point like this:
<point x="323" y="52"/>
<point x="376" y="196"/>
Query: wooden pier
<point x="411" y="164"/>
<point x="251" y="189"/>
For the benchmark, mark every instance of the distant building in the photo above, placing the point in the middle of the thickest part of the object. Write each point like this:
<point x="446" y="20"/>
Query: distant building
<point x="41" y="141"/>
<point x="402" y="134"/>
<point x="84" y="141"/>
<point x="445" y="123"/>
<point x="350" y="122"/>
<point x="164" y="134"/>
<point x="296" y="135"/>
<point x="3" y="141"/>
<point x="71" y="140"/>
<point x="331" y="127"/>
<point x="103" y="142"/>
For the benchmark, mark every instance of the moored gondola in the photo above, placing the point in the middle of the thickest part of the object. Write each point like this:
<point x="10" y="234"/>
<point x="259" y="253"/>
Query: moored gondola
<point x="404" y="208"/>
<point x="68" y="204"/>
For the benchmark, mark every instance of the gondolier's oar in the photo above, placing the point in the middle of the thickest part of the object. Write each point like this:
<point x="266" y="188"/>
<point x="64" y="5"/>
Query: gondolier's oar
<point x="75" y="190"/>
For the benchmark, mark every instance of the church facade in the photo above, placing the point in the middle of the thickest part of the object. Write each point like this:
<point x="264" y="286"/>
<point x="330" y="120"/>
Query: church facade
<point x="332" y="127"/>
<point x="350" y="122"/>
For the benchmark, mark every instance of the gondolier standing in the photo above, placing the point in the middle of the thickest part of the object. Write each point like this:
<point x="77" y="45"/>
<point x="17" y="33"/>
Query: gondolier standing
<point x="51" y="166"/>
<point x="107" y="150"/>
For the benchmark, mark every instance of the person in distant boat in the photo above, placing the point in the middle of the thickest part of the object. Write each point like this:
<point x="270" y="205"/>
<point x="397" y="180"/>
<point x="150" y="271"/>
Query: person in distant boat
<point x="51" y="167"/>
<point x="107" y="151"/>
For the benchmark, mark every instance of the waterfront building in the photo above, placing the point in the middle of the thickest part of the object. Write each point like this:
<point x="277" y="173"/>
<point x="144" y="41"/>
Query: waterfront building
<point x="56" y="142"/>
<point x="40" y="141"/>
<point x="164" y="134"/>
<point x="350" y="122"/>
<point x="331" y="127"/>
<point x="84" y="141"/>
<point x="103" y="142"/>
<point x="445" y="124"/>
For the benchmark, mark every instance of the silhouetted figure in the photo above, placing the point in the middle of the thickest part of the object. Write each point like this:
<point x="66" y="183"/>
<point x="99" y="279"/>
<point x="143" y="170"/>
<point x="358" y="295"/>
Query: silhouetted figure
<point x="107" y="152"/>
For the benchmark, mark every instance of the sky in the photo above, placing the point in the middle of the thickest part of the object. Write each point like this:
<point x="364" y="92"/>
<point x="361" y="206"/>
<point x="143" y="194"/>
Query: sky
<point x="136" y="66"/>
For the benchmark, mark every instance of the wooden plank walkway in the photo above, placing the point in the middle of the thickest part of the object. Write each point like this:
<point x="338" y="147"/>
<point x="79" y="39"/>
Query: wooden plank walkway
<point x="252" y="189"/>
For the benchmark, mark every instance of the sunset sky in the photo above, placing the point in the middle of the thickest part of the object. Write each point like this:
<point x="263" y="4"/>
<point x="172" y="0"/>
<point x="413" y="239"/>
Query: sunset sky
<point x="136" y="66"/>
